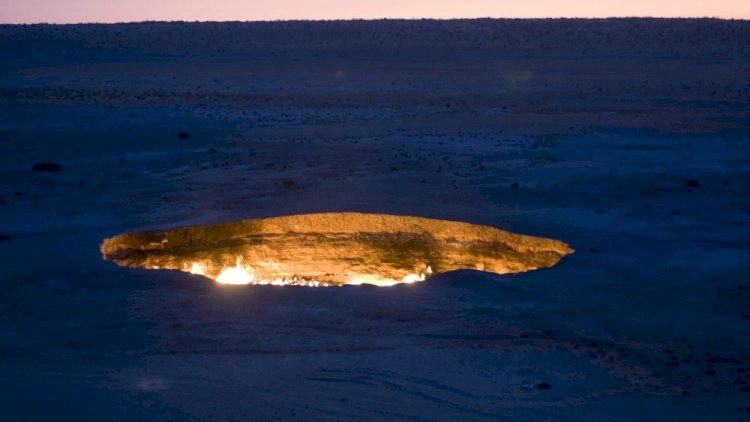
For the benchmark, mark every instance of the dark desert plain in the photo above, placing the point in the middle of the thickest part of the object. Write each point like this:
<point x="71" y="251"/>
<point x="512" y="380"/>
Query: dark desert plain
<point x="627" y="139"/>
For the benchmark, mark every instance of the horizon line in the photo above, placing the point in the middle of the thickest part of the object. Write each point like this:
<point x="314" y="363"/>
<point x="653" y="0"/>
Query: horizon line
<point x="536" y="18"/>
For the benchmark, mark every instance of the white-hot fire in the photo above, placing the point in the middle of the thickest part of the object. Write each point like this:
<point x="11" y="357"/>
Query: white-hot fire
<point x="240" y="274"/>
<point x="385" y="281"/>
<point x="198" y="268"/>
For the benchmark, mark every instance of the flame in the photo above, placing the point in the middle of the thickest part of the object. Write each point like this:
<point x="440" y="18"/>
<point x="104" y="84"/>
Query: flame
<point x="240" y="274"/>
<point x="198" y="268"/>
<point x="385" y="281"/>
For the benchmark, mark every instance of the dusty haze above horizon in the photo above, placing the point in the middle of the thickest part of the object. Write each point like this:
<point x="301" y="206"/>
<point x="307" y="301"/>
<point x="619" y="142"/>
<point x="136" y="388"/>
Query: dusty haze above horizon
<point x="626" y="139"/>
<point x="72" y="11"/>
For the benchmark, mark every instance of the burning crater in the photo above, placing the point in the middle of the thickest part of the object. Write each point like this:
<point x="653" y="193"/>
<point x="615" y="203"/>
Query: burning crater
<point x="333" y="249"/>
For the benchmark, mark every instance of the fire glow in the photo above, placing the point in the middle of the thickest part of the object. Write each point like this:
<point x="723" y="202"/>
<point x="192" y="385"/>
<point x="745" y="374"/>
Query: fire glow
<point x="333" y="249"/>
<point x="240" y="274"/>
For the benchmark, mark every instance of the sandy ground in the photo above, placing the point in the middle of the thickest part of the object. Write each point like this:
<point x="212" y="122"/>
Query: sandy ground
<point x="584" y="131"/>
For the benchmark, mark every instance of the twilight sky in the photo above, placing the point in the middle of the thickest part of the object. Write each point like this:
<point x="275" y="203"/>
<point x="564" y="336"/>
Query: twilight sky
<point x="67" y="11"/>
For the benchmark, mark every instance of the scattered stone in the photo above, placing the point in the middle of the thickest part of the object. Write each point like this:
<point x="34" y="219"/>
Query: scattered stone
<point x="4" y="237"/>
<point x="183" y="135"/>
<point x="289" y="183"/>
<point x="710" y="372"/>
<point x="212" y="149"/>
<point x="535" y="386"/>
<point x="17" y="193"/>
<point x="692" y="183"/>
<point x="543" y="386"/>
<point x="592" y="250"/>
<point x="46" y="167"/>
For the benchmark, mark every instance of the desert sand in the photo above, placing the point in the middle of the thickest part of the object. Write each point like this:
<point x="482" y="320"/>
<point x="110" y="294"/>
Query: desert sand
<point x="626" y="139"/>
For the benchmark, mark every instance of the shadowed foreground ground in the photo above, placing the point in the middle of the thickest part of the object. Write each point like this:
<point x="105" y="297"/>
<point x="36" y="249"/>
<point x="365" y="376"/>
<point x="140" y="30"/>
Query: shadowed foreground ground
<point x="627" y="139"/>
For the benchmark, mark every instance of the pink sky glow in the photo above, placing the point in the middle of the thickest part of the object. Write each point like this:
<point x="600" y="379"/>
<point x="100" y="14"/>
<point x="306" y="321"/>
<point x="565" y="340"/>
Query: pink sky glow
<point x="73" y="11"/>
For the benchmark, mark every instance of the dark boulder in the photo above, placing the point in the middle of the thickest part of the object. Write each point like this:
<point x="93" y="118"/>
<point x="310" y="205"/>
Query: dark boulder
<point x="543" y="386"/>
<point x="183" y="135"/>
<point x="46" y="167"/>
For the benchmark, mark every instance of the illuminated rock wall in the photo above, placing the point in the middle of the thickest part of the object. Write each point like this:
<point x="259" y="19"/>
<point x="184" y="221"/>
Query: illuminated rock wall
<point x="333" y="249"/>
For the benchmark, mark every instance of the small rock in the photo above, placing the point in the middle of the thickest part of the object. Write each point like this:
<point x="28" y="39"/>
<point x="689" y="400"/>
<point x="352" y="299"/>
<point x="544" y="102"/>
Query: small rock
<point x="212" y="149"/>
<point x="183" y="135"/>
<point x="535" y="385"/>
<point x="710" y="372"/>
<point x="692" y="183"/>
<point x="46" y="167"/>
<point x="4" y="237"/>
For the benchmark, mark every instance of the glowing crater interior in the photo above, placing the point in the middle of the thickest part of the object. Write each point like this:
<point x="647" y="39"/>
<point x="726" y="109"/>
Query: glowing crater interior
<point x="333" y="249"/>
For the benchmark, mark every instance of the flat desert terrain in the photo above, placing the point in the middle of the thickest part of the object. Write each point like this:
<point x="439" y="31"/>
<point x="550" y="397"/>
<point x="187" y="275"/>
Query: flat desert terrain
<point x="627" y="139"/>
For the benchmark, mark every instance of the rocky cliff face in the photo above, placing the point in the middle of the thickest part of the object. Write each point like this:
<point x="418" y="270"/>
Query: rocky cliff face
<point x="333" y="249"/>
